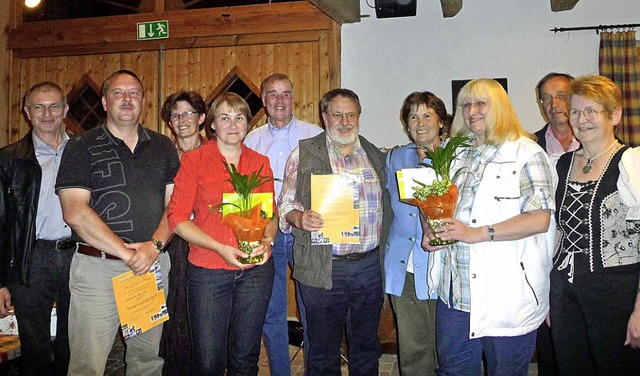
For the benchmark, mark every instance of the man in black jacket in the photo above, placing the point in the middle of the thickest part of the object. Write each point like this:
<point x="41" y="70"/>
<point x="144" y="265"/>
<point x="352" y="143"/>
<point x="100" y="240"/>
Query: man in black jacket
<point x="556" y="137"/>
<point x="35" y="250"/>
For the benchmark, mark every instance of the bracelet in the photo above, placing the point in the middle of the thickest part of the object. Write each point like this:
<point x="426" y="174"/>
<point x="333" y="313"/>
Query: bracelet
<point x="492" y="232"/>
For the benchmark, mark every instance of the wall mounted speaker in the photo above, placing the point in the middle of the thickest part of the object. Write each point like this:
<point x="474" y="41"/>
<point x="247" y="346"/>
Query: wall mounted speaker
<point x="395" y="8"/>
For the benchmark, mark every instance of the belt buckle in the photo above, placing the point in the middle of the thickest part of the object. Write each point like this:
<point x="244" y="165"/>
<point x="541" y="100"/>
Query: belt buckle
<point x="354" y="256"/>
<point x="64" y="244"/>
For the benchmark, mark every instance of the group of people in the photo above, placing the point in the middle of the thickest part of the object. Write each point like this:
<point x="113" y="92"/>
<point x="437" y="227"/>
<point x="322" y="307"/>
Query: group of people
<point x="547" y="235"/>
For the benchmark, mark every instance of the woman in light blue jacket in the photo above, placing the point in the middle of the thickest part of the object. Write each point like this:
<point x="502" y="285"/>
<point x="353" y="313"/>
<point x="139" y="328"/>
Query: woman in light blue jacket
<point x="423" y="116"/>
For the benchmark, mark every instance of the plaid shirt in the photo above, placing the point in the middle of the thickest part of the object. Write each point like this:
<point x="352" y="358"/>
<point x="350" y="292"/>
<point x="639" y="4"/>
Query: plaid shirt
<point x="535" y="178"/>
<point x="356" y="163"/>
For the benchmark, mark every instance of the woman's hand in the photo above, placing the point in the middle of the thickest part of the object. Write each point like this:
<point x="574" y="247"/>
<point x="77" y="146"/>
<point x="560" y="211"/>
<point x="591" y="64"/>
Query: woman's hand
<point x="230" y="255"/>
<point x="633" y="330"/>
<point x="263" y="249"/>
<point x="456" y="230"/>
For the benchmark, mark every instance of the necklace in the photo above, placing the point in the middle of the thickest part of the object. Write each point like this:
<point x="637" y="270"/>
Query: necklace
<point x="587" y="168"/>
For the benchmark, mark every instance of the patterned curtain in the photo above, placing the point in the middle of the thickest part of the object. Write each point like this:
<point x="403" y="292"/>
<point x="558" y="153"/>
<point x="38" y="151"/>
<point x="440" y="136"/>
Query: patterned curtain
<point x="619" y="61"/>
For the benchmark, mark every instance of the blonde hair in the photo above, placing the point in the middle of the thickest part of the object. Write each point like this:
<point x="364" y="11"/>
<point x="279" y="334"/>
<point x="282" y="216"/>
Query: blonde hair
<point x="599" y="89"/>
<point x="501" y="122"/>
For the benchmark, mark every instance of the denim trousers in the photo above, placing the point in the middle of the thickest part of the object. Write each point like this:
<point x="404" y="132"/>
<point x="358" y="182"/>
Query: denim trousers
<point x="460" y="356"/>
<point x="226" y="316"/>
<point x="276" y="329"/>
<point x="49" y="283"/>
<point x="94" y="320"/>
<point x="354" y="302"/>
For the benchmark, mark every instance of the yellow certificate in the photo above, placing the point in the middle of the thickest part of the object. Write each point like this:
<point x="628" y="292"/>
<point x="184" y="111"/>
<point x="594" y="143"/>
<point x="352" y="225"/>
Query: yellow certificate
<point x="337" y="199"/>
<point x="140" y="301"/>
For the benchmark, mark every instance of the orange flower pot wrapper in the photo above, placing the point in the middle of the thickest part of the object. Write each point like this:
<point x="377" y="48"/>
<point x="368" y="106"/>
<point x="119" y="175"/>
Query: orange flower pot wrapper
<point x="248" y="227"/>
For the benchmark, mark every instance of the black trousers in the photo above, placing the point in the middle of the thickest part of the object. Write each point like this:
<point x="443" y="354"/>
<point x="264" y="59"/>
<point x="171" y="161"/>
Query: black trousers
<point x="49" y="283"/>
<point x="589" y="322"/>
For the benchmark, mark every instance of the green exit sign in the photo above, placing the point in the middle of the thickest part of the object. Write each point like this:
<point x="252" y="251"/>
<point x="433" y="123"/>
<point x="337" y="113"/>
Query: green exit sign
<point x="153" y="30"/>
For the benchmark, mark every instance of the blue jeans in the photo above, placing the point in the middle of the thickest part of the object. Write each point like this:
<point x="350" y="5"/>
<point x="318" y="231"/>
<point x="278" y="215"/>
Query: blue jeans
<point x="226" y="315"/>
<point x="460" y="356"/>
<point x="49" y="283"/>
<point x="276" y="329"/>
<point x="355" y="300"/>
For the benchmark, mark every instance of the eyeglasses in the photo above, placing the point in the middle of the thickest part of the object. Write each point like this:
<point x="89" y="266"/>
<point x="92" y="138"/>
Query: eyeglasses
<point x="338" y="116"/>
<point x="53" y="108"/>
<point x="546" y="99"/>
<point x="466" y="106"/>
<point x="184" y="115"/>
<point x="589" y="113"/>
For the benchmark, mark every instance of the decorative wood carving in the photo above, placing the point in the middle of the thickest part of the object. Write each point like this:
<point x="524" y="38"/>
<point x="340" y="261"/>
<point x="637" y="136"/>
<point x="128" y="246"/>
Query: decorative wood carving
<point x="345" y="11"/>
<point x="562" y="5"/>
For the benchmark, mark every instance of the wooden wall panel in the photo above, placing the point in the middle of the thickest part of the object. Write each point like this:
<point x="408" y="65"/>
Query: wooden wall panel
<point x="66" y="71"/>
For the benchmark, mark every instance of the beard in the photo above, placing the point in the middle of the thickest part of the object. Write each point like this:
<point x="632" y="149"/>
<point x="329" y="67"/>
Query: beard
<point x="342" y="140"/>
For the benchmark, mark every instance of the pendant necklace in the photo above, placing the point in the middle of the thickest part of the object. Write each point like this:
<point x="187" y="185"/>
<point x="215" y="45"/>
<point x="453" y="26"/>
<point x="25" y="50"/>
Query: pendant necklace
<point x="587" y="168"/>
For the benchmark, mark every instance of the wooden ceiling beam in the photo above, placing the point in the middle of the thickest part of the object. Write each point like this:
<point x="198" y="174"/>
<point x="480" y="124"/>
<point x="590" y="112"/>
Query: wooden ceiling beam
<point x="345" y="11"/>
<point x="450" y="7"/>
<point x="563" y="5"/>
<point x="110" y="32"/>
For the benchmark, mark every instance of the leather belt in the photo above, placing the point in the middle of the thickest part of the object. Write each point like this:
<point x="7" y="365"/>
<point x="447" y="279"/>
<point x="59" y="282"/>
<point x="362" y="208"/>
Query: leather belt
<point x="95" y="252"/>
<point x="58" y="245"/>
<point x="355" y="256"/>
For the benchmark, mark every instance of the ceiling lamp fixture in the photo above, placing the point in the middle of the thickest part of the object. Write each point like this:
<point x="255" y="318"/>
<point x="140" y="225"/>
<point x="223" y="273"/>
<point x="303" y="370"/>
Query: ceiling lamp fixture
<point x="31" y="3"/>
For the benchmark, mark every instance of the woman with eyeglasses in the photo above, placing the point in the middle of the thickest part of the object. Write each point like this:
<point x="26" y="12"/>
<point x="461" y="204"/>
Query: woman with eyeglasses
<point x="595" y="297"/>
<point x="184" y="114"/>
<point x="493" y="284"/>
<point x="405" y="263"/>
<point x="227" y="299"/>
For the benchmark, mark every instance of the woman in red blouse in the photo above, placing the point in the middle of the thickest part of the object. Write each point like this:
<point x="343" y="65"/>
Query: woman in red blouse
<point x="227" y="300"/>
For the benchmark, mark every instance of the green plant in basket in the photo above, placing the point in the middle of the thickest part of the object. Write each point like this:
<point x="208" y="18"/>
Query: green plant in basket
<point x="250" y="221"/>
<point x="438" y="199"/>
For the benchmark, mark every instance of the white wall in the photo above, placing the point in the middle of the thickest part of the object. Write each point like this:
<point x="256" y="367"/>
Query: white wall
<point x="383" y="60"/>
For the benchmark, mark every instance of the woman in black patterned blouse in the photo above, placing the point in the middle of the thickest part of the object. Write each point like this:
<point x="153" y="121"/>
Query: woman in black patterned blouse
<point x="595" y="299"/>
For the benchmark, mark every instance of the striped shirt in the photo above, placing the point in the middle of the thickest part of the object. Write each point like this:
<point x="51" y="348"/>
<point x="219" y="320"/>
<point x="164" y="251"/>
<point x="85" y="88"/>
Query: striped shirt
<point x="356" y="163"/>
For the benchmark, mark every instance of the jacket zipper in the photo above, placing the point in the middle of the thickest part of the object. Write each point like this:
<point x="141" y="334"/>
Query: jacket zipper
<point x="529" y="284"/>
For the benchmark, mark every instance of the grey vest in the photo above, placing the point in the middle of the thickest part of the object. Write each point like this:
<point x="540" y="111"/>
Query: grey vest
<point x="312" y="264"/>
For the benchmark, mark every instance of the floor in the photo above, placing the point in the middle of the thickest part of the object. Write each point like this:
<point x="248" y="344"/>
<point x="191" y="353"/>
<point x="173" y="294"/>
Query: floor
<point x="388" y="363"/>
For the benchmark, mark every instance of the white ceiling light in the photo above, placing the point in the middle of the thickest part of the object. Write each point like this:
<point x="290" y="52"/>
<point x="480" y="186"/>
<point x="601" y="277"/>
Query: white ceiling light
<point x="31" y="3"/>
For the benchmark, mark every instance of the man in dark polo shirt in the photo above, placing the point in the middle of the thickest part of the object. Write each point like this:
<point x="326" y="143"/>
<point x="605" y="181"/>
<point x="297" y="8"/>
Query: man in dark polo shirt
<point x="114" y="183"/>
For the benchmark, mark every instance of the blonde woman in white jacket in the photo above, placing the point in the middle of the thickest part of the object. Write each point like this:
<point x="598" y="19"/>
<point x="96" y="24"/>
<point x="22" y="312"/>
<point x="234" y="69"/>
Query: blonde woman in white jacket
<point x="494" y="283"/>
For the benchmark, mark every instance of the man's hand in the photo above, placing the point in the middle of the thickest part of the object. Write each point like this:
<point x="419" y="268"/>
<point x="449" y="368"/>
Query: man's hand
<point x="144" y="256"/>
<point x="307" y="220"/>
<point x="5" y="302"/>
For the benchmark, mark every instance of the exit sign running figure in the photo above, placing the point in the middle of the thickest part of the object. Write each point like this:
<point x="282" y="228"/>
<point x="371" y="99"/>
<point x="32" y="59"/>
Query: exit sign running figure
<point x="153" y="30"/>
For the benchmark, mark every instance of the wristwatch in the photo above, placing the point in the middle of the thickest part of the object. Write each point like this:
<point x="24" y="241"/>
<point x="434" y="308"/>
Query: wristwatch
<point x="158" y="244"/>
<point x="269" y="239"/>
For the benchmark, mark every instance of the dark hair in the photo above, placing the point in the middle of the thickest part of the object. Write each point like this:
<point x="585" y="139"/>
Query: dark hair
<point x="193" y="98"/>
<point x="107" y="82"/>
<point x="549" y="76"/>
<point x="234" y="101"/>
<point x="328" y="97"/>
<point x="427" y="98"/>
<point x="273" y="78"/>
<point x="45" y="86"/>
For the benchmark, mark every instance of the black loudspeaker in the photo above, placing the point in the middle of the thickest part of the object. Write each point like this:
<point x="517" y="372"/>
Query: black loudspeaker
<point x="395" y="8"/>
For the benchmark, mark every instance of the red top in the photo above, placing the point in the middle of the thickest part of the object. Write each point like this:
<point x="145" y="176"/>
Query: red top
<point x="201" y="181"/>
